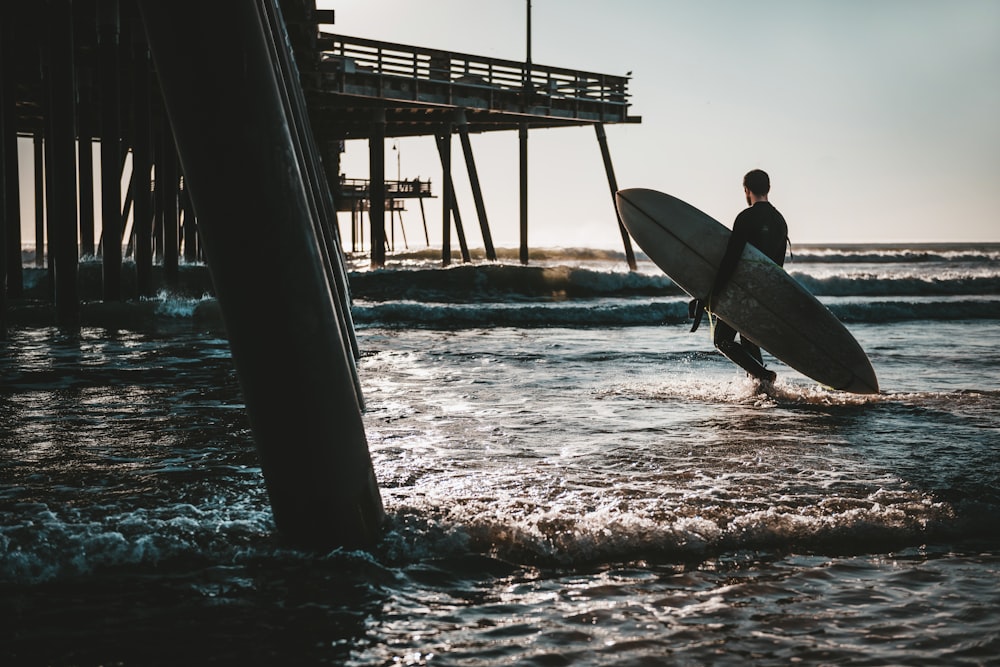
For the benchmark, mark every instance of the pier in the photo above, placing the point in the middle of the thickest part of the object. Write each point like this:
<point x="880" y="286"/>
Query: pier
<point x="216" y="129"/>
<point x="371" y="90"/>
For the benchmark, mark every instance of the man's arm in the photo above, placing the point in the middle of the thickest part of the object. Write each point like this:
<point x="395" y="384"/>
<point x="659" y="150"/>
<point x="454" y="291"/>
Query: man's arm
<point x="734" y="250"/>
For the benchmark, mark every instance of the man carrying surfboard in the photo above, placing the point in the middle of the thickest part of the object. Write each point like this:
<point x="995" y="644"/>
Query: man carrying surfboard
<point x="759" y="299"/>
<point x="764" y="227"/>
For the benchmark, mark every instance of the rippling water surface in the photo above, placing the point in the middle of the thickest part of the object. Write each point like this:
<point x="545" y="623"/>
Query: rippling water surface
<point x="555" y="495"/>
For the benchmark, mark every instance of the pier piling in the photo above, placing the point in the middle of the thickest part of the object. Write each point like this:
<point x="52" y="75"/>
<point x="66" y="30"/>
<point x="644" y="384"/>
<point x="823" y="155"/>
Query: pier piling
<point x="244" y="180"/>
<point x="62" y="164"/>
<point x="602" y="140"/>
<point x="222" y="125"/>
<point x="111" y="147"/>
<point x="142" y="164"/>
<point x="12" y="198"/>
<point x="376" y="196"/>
<point x="477" y="191"/>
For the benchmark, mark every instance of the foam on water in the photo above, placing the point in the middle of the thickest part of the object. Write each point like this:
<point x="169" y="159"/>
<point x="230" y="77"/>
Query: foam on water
<point x="578" y="494"/>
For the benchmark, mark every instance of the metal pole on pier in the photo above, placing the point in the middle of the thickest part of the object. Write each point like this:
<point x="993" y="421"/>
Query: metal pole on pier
<point x="283" y="327"/>
<point x="522" y="135"/>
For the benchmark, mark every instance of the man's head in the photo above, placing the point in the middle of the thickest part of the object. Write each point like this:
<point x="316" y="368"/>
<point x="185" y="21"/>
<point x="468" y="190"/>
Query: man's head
<point x="756" y="185"/>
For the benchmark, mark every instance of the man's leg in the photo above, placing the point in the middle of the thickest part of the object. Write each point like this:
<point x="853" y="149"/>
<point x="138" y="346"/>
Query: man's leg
<point x="752" y="350"/>
<point x="725" y="341"/>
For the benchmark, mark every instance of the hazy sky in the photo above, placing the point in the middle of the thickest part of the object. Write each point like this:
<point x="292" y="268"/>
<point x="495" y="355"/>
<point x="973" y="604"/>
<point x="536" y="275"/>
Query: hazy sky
<point x="877" y="120"/>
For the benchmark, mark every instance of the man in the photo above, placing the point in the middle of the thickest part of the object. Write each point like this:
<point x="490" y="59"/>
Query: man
<point x="764" y="227"/>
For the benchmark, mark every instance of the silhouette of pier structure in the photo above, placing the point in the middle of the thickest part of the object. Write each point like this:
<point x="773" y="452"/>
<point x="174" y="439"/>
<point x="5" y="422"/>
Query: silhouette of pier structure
<point x="225" y="121"/>
<point x="372" y="90"/>
<point x="354" y="195"/>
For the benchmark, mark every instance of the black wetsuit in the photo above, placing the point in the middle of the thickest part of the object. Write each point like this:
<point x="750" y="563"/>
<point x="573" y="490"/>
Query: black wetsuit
<point x="764" y="227"/>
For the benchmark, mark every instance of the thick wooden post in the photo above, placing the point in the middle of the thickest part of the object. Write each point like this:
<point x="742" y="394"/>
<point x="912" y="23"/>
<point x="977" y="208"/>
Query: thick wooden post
<point x="86" y="170"/>
<point x="38" y="145"/>
<point x="62" y="165"/>
<point x="246" y="184"/>
<point x="376" y="189"/>
<point x="189" y="226"/>
<point x="111" y="148"/>
<point x="447" y="193"/>
<point x="15" y="278"/>
<point x="166" y="186"/>
<point x="602" y="139"/>
<point x="320" y="199"/>
<point x="4" y="140"/>
<point x="142" y="164"/>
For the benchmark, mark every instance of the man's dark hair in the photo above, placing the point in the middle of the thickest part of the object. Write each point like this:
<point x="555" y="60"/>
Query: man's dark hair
<point x="757" y="182"/>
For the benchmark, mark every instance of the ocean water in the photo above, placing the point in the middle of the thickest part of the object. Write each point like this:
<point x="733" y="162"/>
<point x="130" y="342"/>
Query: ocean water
<point x="570" y="478"/>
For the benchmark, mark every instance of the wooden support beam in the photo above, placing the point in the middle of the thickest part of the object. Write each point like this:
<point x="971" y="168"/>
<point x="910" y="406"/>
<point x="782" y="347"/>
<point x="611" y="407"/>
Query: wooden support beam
<point x="38" y="145"/>
<point x="444" y="147"/>
<point x="189" y="226"/>
<point x="11" y="168"/>
<point x="62" y="164"/>
<point x="321" y="207"/>
<point x="376" y="192"/>
<point x="108" y="32"/>
<point x="447" y="194"/>
<point x="167" y="184"/>
<point x="602" y="139"/>
<point x="477" y="191"/>
<point x="4" y="149"/>
<point x="142" y="164"/>
<point x="86" y="170"/>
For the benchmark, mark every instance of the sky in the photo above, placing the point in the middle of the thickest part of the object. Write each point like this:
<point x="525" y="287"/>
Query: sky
<point x="877" y="120"/>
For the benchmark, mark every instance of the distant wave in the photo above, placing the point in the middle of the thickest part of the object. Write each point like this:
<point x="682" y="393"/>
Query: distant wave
<point x="475" y="282"/>
<point x="486" y="282"/>
<point x="637" y="312"/>
<point x="904" y="285"/>
<point x="897" y="254"/>
<point x="847" y="253"/>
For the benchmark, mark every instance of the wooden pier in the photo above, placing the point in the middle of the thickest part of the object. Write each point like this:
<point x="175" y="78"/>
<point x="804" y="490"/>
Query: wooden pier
<point x="225" y="122"/>
<point x="366" y="89"/>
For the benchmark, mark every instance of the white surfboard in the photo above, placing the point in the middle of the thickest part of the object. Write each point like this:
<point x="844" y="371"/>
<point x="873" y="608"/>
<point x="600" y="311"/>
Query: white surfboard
<point x="761" y="300"/>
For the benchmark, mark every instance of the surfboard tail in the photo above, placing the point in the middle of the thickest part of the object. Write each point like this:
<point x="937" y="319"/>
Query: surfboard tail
<point x="862" y="385"/>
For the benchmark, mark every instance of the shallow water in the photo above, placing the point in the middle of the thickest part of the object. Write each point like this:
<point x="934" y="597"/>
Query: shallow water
<point x="555" y="495"/>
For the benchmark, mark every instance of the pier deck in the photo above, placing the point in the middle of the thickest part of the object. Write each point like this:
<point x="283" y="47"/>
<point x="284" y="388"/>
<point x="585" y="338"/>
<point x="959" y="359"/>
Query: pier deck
<point x="420" y="89"/>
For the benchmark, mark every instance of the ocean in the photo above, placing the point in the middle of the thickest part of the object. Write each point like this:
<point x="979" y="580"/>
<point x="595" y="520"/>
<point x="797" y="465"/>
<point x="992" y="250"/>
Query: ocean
<point x="570" y="478"/>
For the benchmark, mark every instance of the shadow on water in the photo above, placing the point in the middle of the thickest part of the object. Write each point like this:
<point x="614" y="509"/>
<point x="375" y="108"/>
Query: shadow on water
<point x="255" y="612"/>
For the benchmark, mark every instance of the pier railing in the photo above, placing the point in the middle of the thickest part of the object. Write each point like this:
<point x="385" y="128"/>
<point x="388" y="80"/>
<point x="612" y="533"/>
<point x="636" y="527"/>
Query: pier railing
<point x="360" y="187"/>
<point x="370" y="68"/>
